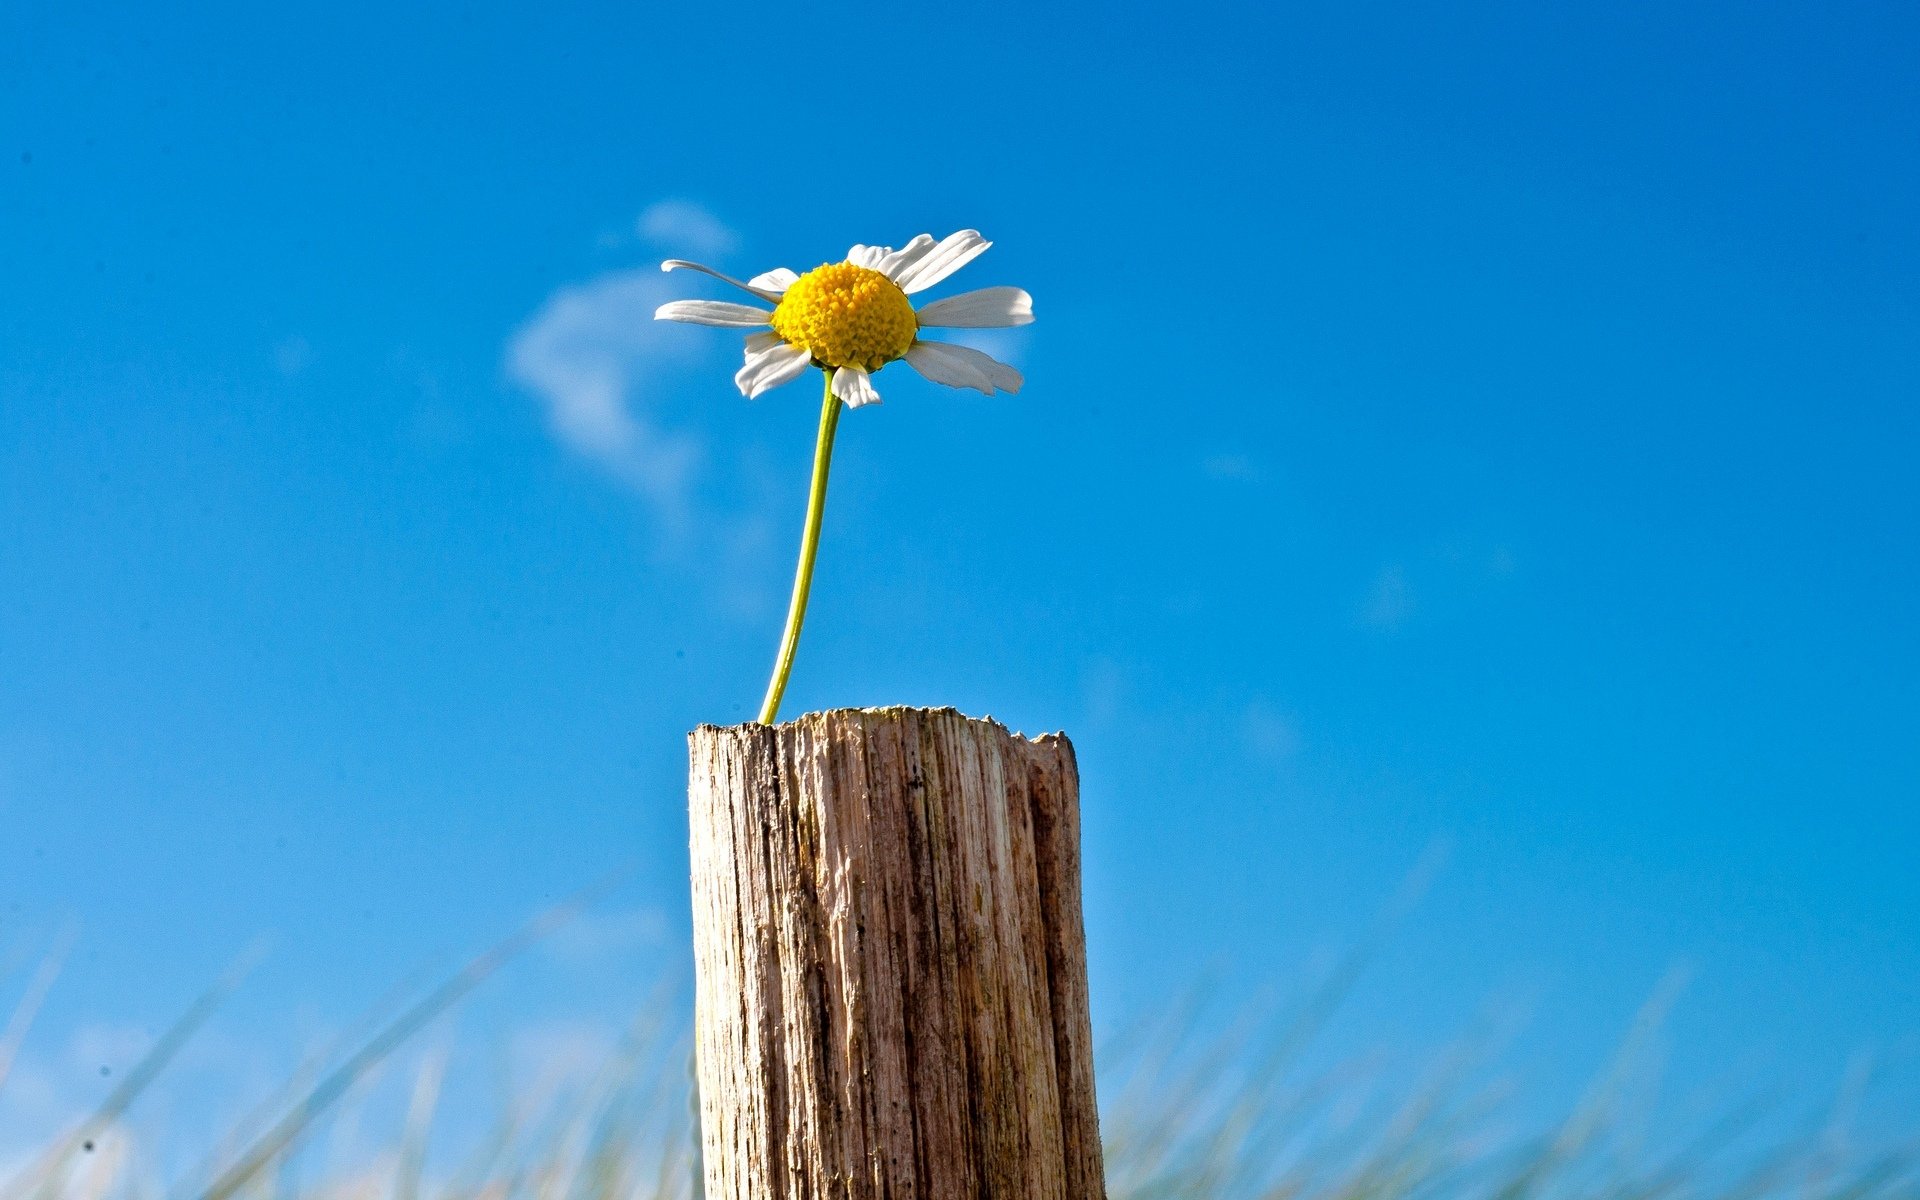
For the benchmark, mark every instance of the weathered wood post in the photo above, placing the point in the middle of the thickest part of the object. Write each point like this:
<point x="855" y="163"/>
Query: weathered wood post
<point x="891" y="964"/>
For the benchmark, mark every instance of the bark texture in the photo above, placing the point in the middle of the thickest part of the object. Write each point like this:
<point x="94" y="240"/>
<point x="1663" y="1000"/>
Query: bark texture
<point x="891" y="963"/>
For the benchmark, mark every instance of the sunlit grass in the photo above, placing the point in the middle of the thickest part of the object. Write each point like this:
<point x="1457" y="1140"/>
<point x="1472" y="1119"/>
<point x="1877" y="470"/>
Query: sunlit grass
<point x="1253" y="1113"/>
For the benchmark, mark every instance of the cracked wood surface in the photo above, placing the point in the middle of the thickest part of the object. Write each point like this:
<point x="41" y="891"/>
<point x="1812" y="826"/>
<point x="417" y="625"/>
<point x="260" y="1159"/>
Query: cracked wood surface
<point x="890" y="961"/>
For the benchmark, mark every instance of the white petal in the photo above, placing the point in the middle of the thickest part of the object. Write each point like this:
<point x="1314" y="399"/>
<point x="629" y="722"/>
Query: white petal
<point x="852" y="385"/>
<point x="963" y="366"/>
<point x="681" y="264"/>
<point x="955" y="250"/>
<point x="933" y="360"/>
<point x="988" y="308"/>
<point x="893" y="264"/>
<point x="868" y="256"/>
<point x="770" y="363"/>
<point x="774" y="282"/>
<point x="712" y="312"/>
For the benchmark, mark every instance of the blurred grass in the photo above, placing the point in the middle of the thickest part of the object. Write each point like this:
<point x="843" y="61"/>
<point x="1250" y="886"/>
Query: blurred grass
<point x="1249" y="1114"/>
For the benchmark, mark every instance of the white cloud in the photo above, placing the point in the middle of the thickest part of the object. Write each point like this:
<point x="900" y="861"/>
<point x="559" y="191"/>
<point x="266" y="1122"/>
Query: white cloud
<point x="686" y="229"/>
<point x="594" y="937"/>
<point x="49" y="1094"/>
<point x="1390" y="601"/>
<point x="291" y="355"/>
<point x="560" y="1055"/>
<point x="108" y="1049"/>
<point x="1445" y="580"/>
<point x="1103" y="691"/>
<point x="1239" y="468"/>
<point x="588" y="354"/>
<point x="602" y="367"/>
<point x="593" y="351"/>
<point x="1269" y="732"/>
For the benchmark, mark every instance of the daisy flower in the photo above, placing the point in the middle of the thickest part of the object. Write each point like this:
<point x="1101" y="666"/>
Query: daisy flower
<point x="852" y="318"/>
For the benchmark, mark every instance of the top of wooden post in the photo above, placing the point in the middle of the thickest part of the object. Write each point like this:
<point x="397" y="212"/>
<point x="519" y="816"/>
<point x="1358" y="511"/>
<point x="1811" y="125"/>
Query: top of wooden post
<point x="884" y="713"/>
<point x="825" y="717"/>
<point x="891" y="960"/>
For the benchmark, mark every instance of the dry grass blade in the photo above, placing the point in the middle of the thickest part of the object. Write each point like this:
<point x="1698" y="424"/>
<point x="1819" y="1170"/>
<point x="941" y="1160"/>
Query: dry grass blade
<point x="1596" y="1111"/>
<point x="1240" y="1109"/>
<point x="30" y="1002"/>
<point x="410" y="1163"/>
<point x="42" y="1172"/>
<point x="284" y="1134"/>
<point x="1193" y="1131"/>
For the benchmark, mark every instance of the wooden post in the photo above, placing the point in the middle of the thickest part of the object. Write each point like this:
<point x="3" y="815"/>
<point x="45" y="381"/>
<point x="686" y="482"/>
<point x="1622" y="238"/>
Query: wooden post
<point x="891" y="965"/>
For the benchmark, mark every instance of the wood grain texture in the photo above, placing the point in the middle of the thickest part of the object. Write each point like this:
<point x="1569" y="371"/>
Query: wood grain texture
<point x="891" y="964"/>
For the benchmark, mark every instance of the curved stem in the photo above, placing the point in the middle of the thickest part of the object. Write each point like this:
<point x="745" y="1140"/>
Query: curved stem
<point x="809" y="547"/>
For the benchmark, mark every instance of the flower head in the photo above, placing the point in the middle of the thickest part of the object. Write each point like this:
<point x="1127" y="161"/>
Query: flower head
<point x="854" y="317"/>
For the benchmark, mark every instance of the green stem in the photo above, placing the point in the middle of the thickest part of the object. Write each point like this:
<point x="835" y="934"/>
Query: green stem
<point x="809" y="547"/>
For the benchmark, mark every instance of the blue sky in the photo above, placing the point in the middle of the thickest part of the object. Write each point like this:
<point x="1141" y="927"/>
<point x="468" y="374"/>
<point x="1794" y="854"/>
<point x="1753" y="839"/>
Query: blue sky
<point x="1478" y="430"/>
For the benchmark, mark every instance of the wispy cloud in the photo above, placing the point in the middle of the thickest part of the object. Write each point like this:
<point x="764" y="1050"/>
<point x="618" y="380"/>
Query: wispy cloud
<point x="1104" y="691"/>
<point x="291" y="355"/>
<point x="587" y="354"/>
<point x="1390" y="599"/>
<point x="51" y="1093"/>
<point x="1269" y="732"/>
<point x="686" y="229"/>
<point x="596" y="937"/>
<point x="1239" y="468"/>
<point x="1446" y="578"/>
<point x="599" y="364"/>
<point x="592" y="351"/>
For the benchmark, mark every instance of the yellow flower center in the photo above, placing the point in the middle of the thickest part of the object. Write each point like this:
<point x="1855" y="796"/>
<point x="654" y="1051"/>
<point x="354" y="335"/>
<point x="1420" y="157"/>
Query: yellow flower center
<point x="847" y="316"/>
